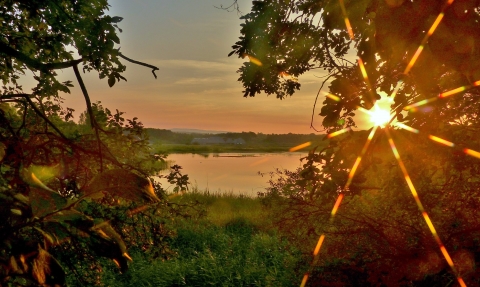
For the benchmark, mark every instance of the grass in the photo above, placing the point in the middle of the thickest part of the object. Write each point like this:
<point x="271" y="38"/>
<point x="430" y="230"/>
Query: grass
<point x="222" y="208"/>
<point x="233" y="245"/>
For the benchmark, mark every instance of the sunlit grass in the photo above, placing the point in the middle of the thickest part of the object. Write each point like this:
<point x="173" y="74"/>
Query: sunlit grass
<point x="223" y="207"/>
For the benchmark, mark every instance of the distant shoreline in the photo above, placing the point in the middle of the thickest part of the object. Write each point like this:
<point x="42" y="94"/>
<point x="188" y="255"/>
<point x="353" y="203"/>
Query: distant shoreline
<point x="209" y="149"/>
<point x="168" y="141"/>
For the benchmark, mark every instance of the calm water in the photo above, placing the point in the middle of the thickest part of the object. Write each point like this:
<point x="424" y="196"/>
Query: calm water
<point x="233" y="172"/>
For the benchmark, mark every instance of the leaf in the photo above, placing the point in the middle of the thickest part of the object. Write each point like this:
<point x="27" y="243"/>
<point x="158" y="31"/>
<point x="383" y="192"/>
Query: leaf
<point x="16" y="211"/>
<point x="45" y="268"/>
<point x="46" y="235"/>
<point x="44" y="201"/>
<point x="116" y="19"/>
<point x="115" y="38"/>
<point x="63" y="225"/>
<point x="122" y="183"/>
<point x="110" y="244"/>
<point x="40" y="175"/>
<point x="111" y="81"/>
<point x="105" y="230"/>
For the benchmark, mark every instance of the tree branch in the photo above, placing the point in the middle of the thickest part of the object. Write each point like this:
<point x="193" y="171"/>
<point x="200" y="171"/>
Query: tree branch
<point x="234" y="6"/>
<point x="35" y="64"/>
<point x="316" y="99"/>
<point x="28" y="97"/>
<point x="93" y="122"/>
<point x="140" y="63"/>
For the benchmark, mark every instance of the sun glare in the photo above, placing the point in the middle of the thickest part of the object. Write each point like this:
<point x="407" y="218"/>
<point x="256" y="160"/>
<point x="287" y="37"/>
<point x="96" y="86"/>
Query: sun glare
<point x="379" y="116"/>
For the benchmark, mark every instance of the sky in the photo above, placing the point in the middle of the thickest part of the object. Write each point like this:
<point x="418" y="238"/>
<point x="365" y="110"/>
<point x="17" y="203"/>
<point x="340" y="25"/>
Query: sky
<point x="197" y="85"/>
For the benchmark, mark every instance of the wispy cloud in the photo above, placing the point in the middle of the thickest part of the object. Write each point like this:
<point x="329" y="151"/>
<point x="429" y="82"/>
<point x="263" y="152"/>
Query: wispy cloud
<point x="199" y="65"/>
<point x="197" y="81"/>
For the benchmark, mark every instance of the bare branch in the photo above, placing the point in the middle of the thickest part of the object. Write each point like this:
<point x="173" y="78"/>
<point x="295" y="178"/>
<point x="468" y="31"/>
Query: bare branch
<point x="316" y="99"/>
<point x="233" y="7"/>
<point x="140" y="63"/>
<point x="93" y="122"/>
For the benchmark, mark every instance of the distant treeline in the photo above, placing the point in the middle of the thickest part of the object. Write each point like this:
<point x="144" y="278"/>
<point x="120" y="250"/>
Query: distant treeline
<point x="161" y="136"/>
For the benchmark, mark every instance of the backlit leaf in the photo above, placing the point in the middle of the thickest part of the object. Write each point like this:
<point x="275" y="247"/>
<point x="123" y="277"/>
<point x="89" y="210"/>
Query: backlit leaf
<point x="122" y="183"/>
<point x="44" y="201"/>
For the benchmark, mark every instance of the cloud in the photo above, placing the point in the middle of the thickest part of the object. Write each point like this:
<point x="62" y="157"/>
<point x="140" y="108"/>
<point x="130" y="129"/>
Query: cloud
<point x="211" y="66"/>
<point x="197" y="81"/>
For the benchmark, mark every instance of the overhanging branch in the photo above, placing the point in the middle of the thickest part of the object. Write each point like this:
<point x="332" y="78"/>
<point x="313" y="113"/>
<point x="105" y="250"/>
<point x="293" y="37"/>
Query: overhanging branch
<point x="93" y="122"/>
<point x="35" y="64"/>
<point x="139" y="63"/>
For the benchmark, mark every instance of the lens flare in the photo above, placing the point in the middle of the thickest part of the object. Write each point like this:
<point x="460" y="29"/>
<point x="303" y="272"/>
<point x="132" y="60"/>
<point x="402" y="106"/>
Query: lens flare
<point x="382" y="117"/>
<point x="359" y="158"/>
<point x="337" y="133"/>
<point x="347" y="21"/>
<point x="300" y="146"/>
<point x="422" y="209"/>
<point x="253" y="60"/>
<point x="441" y="141"/>
<point x="467" y="151"/>
<point x="333" y="97"/>
<point x="441" y="96"/>
<point x="425" y="38"/>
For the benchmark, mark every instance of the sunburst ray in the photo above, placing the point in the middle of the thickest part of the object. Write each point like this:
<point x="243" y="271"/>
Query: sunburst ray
<point x="347" y="21"/>
<point x="429" y="223"/>
<point x="425" y="38"/>
<point x="409" y="66"/>
<point x="439" y="140"/>
<point x="458" y="90"/>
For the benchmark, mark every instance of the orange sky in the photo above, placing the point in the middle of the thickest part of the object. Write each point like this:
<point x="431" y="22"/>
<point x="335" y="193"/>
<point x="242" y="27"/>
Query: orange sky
<point x="197" y="85"/>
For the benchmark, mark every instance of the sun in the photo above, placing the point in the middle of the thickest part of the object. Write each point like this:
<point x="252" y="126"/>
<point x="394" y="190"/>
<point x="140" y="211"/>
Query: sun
<point x="379" y="116"/>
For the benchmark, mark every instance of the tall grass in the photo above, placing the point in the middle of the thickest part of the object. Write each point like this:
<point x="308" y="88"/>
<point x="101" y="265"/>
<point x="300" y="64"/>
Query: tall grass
<point x="232" y="245"/>
<point x="223" y="207"/>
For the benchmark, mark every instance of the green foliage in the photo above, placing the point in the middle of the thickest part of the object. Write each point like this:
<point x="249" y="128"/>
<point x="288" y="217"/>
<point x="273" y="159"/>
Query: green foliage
<point x="285" y="39"/>
<point x="378" y="227"/>
<point x="70" y="193"/>
<point x="209" y="255"/>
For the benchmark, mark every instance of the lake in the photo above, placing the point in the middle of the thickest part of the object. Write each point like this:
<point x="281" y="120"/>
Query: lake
<point x="236" y="173"/>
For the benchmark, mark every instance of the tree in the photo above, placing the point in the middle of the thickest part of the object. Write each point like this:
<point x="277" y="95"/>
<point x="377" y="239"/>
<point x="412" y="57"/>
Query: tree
<point x="285" y="39"/>
<point x="70" y="194"/>
<point x="411" y="51"/>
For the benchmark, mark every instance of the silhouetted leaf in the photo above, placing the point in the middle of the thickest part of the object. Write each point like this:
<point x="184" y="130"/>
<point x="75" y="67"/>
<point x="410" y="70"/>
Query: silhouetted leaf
<point x="111" y="81"/>
<point x="117" y="19"/>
